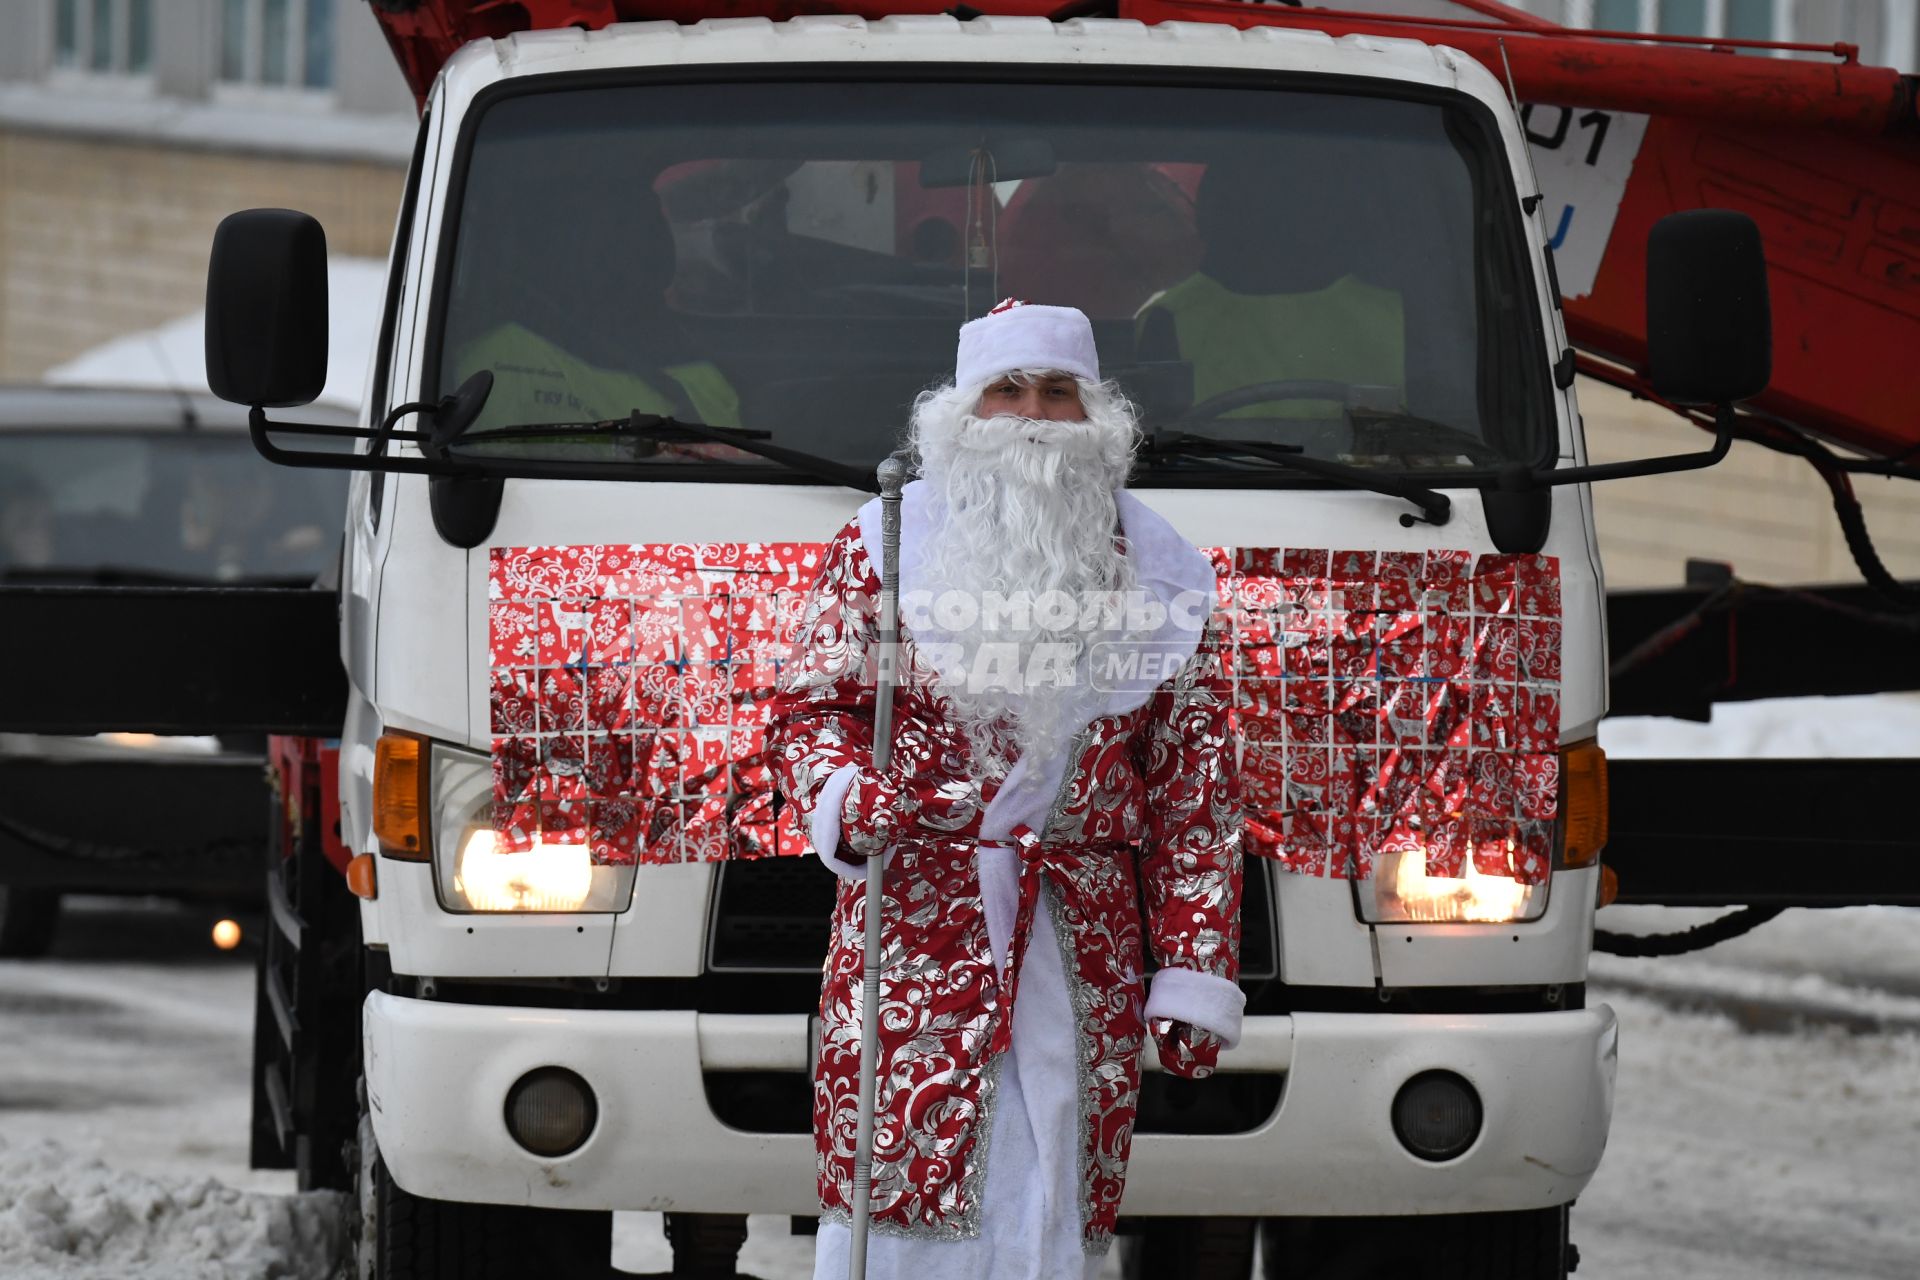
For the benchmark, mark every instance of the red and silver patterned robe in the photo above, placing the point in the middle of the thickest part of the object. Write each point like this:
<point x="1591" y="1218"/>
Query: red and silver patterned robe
<point x="1130" y="836"/>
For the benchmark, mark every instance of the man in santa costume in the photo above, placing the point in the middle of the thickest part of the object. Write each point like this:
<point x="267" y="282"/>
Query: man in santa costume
<point x="1060" y="794"/>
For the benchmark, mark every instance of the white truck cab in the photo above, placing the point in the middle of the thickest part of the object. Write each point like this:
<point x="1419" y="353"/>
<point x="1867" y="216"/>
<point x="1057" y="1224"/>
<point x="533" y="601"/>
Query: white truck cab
<point x="1317" y="266"/>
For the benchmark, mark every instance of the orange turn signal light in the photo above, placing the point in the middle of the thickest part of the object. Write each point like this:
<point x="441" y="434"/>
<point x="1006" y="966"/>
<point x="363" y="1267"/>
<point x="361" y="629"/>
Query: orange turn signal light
<point x="1583" y="777"/>
<point x="1609" y="887"/>
<point x="400" y="796"/>
<point x="360" y="877"/>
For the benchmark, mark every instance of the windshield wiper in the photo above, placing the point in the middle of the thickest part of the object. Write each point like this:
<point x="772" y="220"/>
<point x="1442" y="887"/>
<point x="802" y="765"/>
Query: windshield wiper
<point x="1435" y="508"/>
<point x="649" y="426"/>
<point x="666" y="430"/>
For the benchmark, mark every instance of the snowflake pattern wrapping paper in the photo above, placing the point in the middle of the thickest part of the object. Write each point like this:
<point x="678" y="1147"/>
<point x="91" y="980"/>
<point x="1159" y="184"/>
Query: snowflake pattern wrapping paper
<point x="1382" y="701"/>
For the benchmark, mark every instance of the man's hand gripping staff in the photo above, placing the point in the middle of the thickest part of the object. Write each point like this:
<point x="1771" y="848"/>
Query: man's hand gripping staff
<point x="879" y="807"/>
<point x="893" y="477"/>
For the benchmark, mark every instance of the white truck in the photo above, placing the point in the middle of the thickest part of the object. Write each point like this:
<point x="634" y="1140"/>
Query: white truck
<point x="706" y="267"/>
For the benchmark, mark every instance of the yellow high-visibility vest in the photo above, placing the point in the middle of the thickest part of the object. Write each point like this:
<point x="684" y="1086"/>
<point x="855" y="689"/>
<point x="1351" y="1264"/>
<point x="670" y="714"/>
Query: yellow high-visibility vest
<point x="536" y="381"/>
<point x="1350" y="332"/>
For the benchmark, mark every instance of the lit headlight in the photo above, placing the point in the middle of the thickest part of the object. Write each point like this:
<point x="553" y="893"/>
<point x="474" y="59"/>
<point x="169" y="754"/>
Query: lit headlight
<point x="475" y="874"/>
<point x="1402" y="892"/>
<point x="547" y="877"/>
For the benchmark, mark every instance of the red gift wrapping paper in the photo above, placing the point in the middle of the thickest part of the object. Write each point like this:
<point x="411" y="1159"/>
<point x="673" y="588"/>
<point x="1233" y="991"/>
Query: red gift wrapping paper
<point x="1383" y="700"/>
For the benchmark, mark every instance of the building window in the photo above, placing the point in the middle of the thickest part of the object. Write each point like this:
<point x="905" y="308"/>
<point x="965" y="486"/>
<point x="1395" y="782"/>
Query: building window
<point x="277" y="44"/>
<point x="1749" y="20"/>
<point x="104" y="37"/>
<point x="1888" y="31"/>
<point x="1615" y="15"/>
<point x="1683" y="17"/>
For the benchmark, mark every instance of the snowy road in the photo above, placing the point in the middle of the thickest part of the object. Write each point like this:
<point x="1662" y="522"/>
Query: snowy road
<point x="1734" y="1153"/>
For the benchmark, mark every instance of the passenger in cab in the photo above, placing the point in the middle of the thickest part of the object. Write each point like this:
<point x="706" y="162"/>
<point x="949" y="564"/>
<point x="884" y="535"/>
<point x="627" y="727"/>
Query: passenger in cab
<point x="571" y="316"/>
<point x="1282" y="293"/>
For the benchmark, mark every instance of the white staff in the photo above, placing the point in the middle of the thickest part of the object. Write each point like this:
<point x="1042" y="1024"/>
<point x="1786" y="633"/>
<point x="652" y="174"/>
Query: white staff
<point x="893" y="475"/>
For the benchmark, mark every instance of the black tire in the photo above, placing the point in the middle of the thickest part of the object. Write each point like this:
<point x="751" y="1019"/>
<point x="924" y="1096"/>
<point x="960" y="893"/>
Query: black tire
<point x="1189" y="1249"/>
<point x="321" y="972"/>
<point x="28" y="918"/>
<point x="415" y="1238"/>
<point x="1527" y="1245"/>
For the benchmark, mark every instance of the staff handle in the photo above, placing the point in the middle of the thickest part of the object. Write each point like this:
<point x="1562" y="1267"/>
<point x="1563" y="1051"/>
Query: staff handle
<point x="893" y="476"/>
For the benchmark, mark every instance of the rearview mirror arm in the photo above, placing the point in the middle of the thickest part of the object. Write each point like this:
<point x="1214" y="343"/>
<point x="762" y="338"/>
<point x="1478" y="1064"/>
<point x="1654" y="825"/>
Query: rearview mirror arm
<point x="452" y="414"/>
<point x="1723" y="423"/>
<point x="258" y="426"/>
<point x="350" y="433"/>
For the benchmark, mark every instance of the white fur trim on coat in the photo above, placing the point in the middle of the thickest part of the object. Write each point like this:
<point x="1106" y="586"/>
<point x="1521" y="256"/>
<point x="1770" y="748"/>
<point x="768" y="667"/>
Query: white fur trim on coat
<point x="1206" y="1000"/>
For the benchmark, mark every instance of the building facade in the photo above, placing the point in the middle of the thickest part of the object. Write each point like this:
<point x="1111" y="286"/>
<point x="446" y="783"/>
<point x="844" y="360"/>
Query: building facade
<point x="129" y="128"/>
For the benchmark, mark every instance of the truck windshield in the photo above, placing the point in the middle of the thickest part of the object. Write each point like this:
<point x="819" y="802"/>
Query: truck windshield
<point x="1334" y="271"/>
<point x="146" y="506"/>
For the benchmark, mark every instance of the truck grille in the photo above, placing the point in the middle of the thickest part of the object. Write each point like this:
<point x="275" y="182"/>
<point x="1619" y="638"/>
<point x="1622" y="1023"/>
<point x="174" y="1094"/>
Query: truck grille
<point x="770" y="916"/>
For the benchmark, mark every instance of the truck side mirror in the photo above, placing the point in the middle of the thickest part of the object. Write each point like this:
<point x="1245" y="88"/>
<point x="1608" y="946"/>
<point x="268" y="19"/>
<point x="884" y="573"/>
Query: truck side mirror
<point x="1709" y="326"/>
<point x="1709" y="339"/>
<point x="267" y="308"/>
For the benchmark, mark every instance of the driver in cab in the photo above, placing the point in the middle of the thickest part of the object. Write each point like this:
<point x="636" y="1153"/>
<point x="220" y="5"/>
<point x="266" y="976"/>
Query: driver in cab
<point x="1278" y="296"/>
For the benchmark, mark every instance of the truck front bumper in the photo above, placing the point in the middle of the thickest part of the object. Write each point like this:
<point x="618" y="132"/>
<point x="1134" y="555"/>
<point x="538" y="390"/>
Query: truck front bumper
<point x="438" y="1075"/>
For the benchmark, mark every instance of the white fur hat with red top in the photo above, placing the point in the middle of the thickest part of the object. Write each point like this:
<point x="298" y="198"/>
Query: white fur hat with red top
<point x="1020" y="335"/>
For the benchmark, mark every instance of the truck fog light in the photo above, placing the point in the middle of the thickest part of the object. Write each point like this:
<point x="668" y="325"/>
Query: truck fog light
<point x="1436" y="1115"/>
<point x="551" y="1111"/>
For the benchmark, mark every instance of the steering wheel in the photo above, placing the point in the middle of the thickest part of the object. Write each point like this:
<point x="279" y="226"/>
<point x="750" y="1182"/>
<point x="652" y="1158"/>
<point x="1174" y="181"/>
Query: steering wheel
<point x="1406" y="434"/>
<point x="1420" y="432"/>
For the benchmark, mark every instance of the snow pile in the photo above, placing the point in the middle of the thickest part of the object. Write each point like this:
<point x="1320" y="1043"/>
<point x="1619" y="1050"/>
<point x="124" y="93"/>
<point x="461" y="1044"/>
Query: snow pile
<point x="62" y="1216"/>
<point x="1876" y="724"/>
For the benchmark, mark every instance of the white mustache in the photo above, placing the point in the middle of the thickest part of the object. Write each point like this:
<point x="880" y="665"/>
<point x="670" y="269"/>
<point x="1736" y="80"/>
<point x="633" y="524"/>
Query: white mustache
<point x="1068" y="439"/>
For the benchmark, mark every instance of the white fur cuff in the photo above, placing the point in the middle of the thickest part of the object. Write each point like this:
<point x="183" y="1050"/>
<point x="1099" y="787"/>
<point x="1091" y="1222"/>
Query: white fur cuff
<point x="1207" y="1001"/>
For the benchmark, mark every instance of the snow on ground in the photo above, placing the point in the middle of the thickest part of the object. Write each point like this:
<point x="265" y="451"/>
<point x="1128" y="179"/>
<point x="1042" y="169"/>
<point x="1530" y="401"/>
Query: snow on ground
<point x="1741" y="1156"/>
<point x="124" y="1097"/>
<point x="1789" y="1152"/>
<point x="1766" y="1121"/>
<point x="124" y="1102"/>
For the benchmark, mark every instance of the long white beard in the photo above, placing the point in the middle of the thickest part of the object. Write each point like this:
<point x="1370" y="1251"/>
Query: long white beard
<point x="1025" y="569"/>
